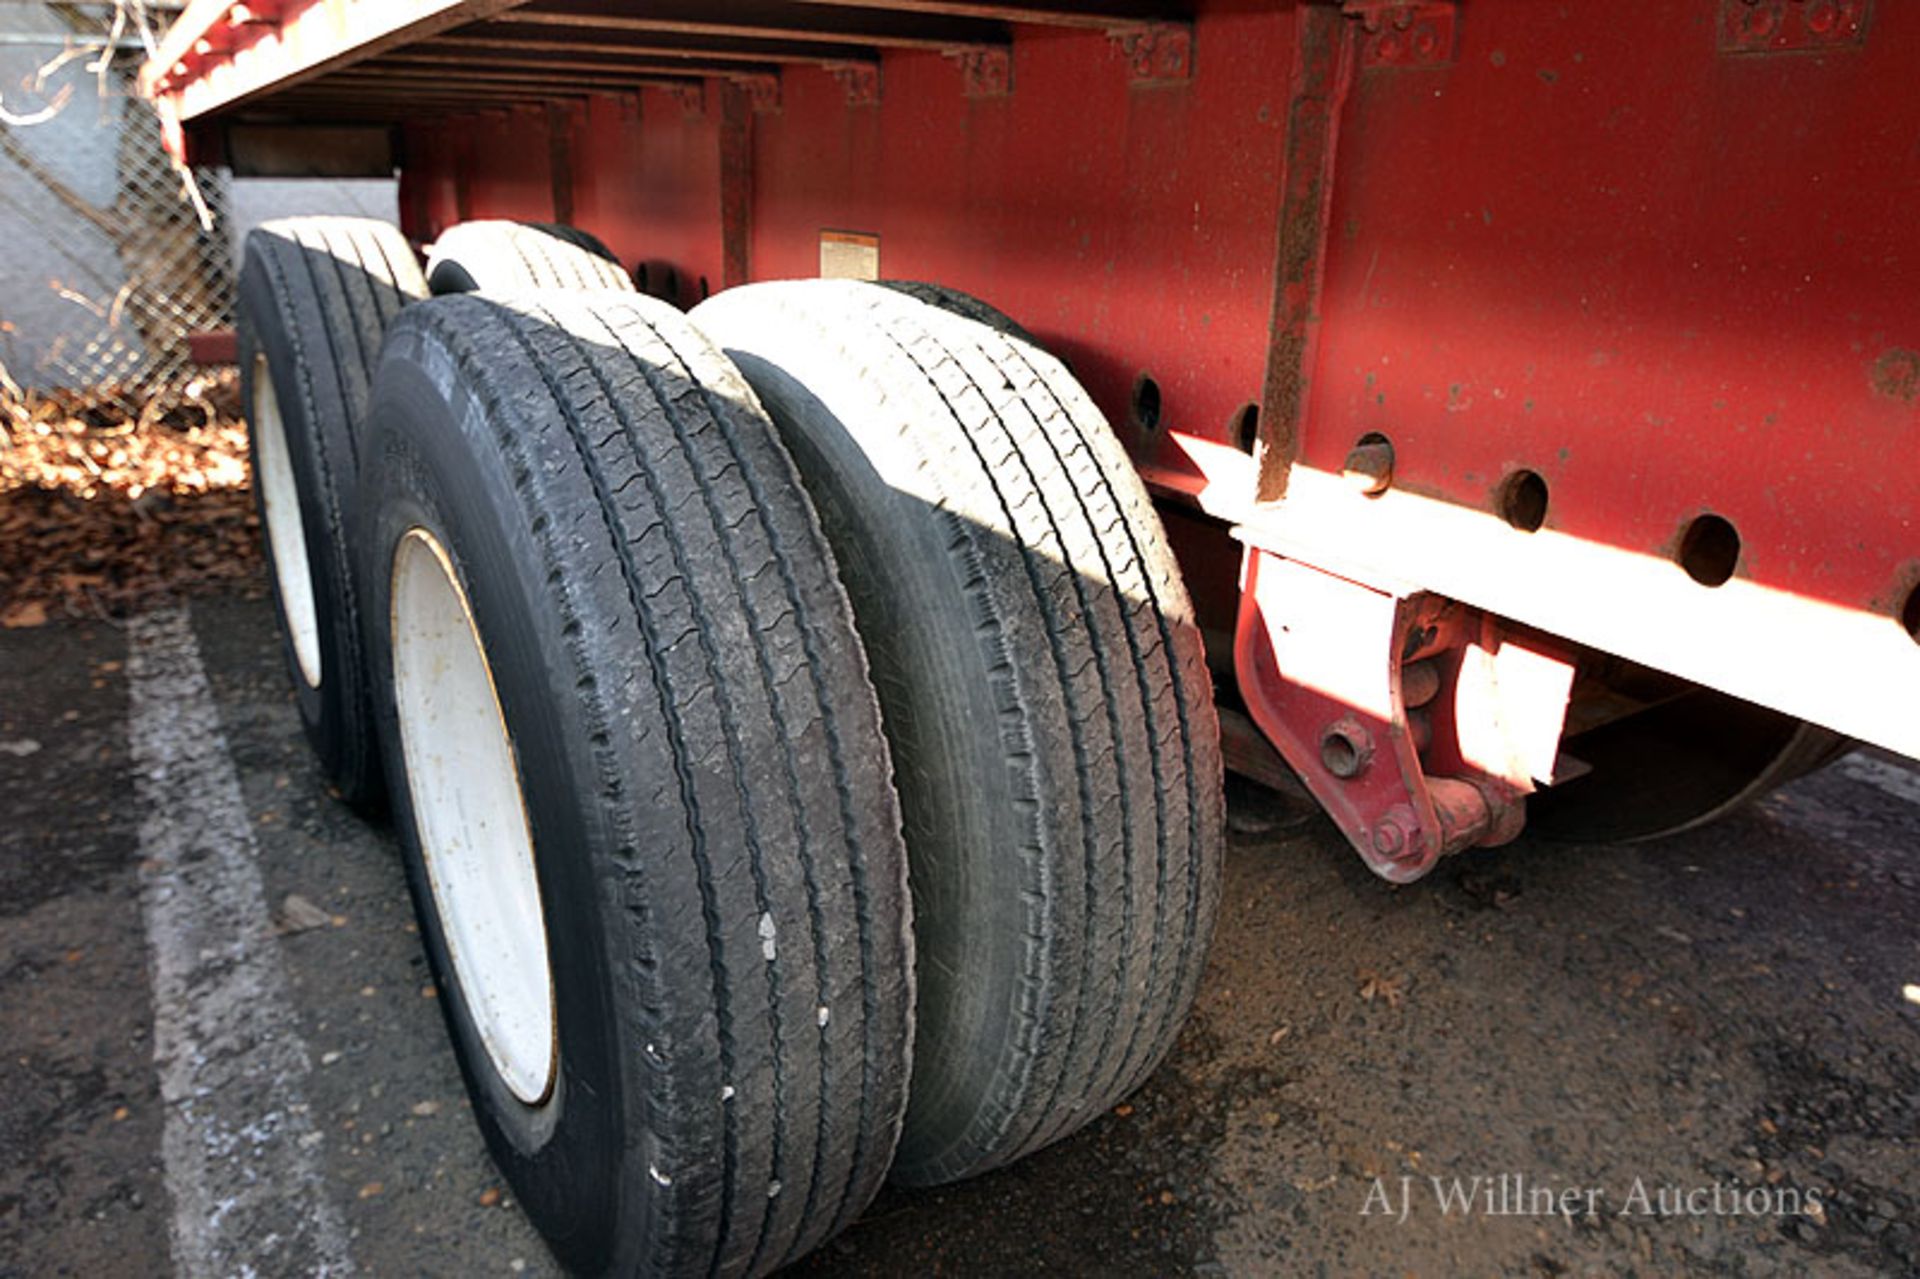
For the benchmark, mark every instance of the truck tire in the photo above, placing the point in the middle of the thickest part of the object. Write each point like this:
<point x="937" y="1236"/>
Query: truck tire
<point x="579" y="239"/>
<point x="652" y="660"/>
<point x="514" y="257"/>
<point x="1044" y="691"/>
<point x="964" y="305"/>
<point x="316" y="297"/>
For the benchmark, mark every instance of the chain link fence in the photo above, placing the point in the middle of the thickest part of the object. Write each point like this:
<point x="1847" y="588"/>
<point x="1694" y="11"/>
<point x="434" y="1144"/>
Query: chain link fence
<point x="105" y="265"/>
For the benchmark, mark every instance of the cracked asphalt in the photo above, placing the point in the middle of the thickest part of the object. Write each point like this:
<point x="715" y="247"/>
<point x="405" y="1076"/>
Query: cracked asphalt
<point x="1727" y="1019"/>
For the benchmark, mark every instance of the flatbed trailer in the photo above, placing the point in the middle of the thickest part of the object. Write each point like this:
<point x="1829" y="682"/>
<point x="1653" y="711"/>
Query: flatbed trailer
<point x="1530" y="392"/>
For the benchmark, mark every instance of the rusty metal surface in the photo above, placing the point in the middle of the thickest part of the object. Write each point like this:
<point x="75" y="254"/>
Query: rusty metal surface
<point x="1416" y="724"/>
<point x="219" y="53"/>
<point x="1394" y="34"/>
<point x="736" y="188"/>
<point x="1786" y="26"/>
<point x="224" y="53"/>
<point x="1848" y="669"/>
<point x="758" y="20"/>
<point x="1158" y="52"/>
<point x="1632" y="316"/>
<point x="985" y="73"/>
<point x="1657" y="275"/>
<point x="1321" y="78"/>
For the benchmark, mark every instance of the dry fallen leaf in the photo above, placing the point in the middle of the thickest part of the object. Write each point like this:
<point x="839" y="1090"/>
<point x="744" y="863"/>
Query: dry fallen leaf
<point x="111" y="500"/>
<point x="1393" y="991"/>
<point x="298" y="915"/>
<point x="24" y="615"/>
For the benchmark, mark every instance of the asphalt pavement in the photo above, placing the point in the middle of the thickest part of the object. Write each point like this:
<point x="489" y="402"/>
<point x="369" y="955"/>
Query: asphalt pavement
<point x="220" y="1046"/>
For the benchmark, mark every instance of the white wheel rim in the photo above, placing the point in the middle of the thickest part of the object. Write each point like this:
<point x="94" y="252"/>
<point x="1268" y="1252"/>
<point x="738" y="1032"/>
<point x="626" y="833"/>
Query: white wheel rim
<point x="286" y="533"/>
<point x="471" y="817"/>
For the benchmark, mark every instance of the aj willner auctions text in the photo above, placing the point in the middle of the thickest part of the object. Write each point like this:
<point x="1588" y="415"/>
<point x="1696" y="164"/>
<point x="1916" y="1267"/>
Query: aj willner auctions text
<point x="1512" y="1194"/>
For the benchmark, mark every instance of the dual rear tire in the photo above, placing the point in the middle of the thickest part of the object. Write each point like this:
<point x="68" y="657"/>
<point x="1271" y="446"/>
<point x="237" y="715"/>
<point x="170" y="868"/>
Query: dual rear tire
<point x="317" y="296"/>
<point x="1044" y="689"/>
<point x="618" y="594"/>
<point x="712" y="884"/>
<point x="492" y="256"/>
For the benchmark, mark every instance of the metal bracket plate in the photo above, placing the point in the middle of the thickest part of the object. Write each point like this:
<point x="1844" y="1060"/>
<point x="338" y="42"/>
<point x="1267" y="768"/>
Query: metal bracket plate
<point x="859" y="80"/>
<point x="985" y="72"/>
<point x="1397" y="34"/>
<point x="1157" y="53"/>
<point x="692" y="97"/>
<point x="1413" y="720"/>
<point x="1788" y="26"/>
<point x="762" y="90"/>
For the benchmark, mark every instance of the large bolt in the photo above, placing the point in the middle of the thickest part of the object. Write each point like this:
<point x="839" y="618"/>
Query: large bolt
<point x="1346" y="748"/>
<point x="1398" y="843"/>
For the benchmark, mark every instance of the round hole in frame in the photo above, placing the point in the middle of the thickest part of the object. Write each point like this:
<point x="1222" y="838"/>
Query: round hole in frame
<point x="1246" y="427"/>
<point x="1369" y="464"/>
<point x="1523" y="501"/>
<point x="1910" y="614"/>
<point x="1710" y="549"/>
<point x="1146" y="404"/>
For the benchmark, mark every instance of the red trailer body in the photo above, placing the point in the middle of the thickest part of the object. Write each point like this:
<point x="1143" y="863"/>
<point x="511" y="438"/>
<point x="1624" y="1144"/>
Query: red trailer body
<point x="1510" y="372"/>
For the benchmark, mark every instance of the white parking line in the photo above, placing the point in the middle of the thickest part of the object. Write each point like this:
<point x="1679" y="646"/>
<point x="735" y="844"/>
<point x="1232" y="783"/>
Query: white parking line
<point x="239" y="1141"/>
<point x="1901" y="783"/>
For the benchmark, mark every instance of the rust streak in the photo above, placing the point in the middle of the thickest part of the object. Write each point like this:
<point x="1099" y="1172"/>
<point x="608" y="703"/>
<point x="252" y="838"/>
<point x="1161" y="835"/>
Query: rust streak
<point x="1323" y="69"/>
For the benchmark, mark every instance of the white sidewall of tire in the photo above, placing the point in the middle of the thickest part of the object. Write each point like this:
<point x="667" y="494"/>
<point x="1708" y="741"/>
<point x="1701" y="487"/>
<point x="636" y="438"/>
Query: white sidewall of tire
<point x="471" y="817"/>
<point x="286" y="527"/>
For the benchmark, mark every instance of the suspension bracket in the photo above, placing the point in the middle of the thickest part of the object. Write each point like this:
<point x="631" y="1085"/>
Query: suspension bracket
<point x="1419" y="724"/>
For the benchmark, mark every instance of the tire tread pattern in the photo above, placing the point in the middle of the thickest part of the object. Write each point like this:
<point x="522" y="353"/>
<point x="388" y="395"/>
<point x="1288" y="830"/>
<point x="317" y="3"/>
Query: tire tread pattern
<point x="710" y="586"/>
<point x="497" y="256"/>
<point x="1104" y="695"/>
<point x="334" y="285"/>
